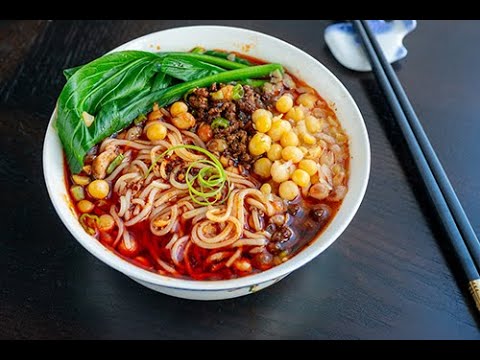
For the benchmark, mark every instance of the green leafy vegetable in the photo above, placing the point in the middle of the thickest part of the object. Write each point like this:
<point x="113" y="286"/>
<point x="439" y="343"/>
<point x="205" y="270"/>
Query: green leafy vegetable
<point x="214" y="60"/>
<point x="68" y="73"/>
<point x="107" y="94"/>
<point x="220" y="122"/>
<point x="253" y="82"/>
<point x="106" y="80"/>
<point x="188" y="69"/>
<point x="120" y="116"/>
<point x="228" y="56"/>
<point x="161" y="81"/>
<point x="211" y="57"/>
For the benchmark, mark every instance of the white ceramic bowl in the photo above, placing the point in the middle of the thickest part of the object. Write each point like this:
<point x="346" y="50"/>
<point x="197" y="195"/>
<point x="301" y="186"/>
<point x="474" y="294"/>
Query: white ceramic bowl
<point x="263" y="47"/>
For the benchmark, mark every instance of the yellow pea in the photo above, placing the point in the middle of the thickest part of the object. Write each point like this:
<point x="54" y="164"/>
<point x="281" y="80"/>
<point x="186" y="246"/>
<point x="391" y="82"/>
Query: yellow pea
<point x="81" y="180"/>
<point x="106" y="222"/>
<point x="262" y="167"/>
<point x="289" y="139"/>
<point x="266" y="189"/>
<point x="85" y="206"/>
<point x="307" y="100"/>
<point x="284" y="103"/>
<point x="313" y="124"/>
<point x="278" y="129"/>
<point x="275" y="152"/>
<point x="309" y="139"/>
<point x="301" y="177"/>
<point x="303" y="149"/>
<point x="183" y="121"/>
<point x="259" y="144"/>
<point x="178" y="108"/>
<point x="288" y="190"/>
<point x="156" y="131"/>
<point x="310" y="166"/>
<point x="98" y="189"/>
<point x="295" y="113"/>
<point x="292" y="153"/>
<point x="262" y="119"/>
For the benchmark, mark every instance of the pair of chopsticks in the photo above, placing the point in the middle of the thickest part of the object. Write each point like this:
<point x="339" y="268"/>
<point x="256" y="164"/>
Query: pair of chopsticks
<point x="450" y="211"/>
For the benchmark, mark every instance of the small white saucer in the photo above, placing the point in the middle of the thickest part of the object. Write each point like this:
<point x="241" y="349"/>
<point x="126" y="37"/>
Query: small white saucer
<point x="345" y="45"/>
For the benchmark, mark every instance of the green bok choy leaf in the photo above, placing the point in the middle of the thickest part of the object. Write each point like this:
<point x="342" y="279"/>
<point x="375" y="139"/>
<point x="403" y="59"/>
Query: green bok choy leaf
<point x="107" y="94"/>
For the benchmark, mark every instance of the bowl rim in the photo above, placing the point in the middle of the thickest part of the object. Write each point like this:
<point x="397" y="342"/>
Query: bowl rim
<point x="277" y="272"/>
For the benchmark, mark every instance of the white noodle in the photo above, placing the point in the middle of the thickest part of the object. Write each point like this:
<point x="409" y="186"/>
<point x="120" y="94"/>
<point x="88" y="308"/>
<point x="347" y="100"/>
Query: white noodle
<point x="177" y="249"/>
<point x="119" y="223"/>
<point x="172" y="241"/>
<point x="250" y="242"/>
<point x="142" y="215"/>
<point x="234" y="257"/>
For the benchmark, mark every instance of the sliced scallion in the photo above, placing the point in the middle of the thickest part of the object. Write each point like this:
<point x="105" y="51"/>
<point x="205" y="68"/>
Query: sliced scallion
<point x="211" y="177"/>
<point x="86" y="221"/>
<point x="238" y="92"/>
<point x="78" y="193"/>
<point x="113" y="165"/>
<point x="220" y="122"/>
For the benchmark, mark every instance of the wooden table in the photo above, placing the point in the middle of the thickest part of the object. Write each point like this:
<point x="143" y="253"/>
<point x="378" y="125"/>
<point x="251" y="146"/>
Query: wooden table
<point x="388" y="276"/>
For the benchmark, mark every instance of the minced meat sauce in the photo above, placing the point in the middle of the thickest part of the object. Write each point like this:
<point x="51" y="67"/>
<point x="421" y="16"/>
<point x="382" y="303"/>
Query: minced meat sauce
<point x="238" y="113"/>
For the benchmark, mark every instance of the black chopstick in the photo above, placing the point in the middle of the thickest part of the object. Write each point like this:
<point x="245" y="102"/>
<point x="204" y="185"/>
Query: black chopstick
<point x="442" y="179"/>
<point x="420" y="158"/>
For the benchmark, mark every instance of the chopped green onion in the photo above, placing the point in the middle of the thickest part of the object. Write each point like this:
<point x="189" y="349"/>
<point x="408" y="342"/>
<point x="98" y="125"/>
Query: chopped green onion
<point x="277" y="75"/>
<point x="211" y="177"/>
<point x="85" y="221"/>
<point x="78" y="192"/>
<point x="113" y="165"/>
<point x="140" y="118"/>
<point x="220" y="122"/>
<point x="238" y="92"/>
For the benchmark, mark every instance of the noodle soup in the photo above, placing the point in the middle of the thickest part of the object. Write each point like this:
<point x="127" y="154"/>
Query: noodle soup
<point x="229" y="180"/>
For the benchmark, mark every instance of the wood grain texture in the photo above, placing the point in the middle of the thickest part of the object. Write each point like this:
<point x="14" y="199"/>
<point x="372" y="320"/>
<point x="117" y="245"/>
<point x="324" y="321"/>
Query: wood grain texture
<point x="388" y="276"/>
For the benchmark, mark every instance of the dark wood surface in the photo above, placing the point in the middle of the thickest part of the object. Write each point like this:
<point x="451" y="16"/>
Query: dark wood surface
<point x="388" y="276"/>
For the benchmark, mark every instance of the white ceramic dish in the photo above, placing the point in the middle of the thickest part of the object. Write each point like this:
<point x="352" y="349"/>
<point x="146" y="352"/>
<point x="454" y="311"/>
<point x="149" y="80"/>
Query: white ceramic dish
<point x="269" y="49"/>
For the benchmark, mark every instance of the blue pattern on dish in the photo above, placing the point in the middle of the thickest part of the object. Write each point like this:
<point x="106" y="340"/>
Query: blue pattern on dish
<point x="344" y="43"/>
